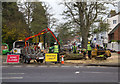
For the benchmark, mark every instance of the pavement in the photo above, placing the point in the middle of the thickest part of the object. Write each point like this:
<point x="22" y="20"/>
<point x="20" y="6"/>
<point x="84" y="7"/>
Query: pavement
<point x="112" y="61"/>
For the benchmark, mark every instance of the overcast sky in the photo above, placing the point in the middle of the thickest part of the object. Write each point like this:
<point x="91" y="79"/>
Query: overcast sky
<point x="58" y="9"/>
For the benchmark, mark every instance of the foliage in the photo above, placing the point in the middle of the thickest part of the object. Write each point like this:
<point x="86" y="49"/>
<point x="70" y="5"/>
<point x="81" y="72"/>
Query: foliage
<point x="39" y="21"/>
<point x="13" y="24"/>
<point x="102" y="27"/>
<point x="65" y="32"/>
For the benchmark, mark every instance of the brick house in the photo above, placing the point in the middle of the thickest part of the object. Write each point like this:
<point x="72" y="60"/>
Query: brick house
<point x="114" y="35"/>
<point x="114" y="39"/>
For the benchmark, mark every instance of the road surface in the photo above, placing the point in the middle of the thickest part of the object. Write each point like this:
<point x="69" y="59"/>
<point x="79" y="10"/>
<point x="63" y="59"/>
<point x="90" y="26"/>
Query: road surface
<point x="43" y="73"/>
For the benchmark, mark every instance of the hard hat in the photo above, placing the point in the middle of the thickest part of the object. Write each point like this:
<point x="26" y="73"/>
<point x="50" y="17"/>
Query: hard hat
<point x="89" y="42"/>
<point x="41" y="50"/>
<point x="55" y="43"/>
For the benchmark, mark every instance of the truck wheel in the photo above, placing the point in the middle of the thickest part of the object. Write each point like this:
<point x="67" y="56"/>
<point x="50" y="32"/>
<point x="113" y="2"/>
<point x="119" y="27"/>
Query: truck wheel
<point x="105" y="58"/>
<point x="28" y="61"/>
<point x="41" y="61"/>
<point x="37" y="61"/>
<point x="24" y="60"/>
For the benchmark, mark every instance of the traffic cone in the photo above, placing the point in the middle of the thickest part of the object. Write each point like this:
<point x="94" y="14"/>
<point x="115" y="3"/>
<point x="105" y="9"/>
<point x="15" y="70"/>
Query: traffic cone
<point x="62" y="60"/>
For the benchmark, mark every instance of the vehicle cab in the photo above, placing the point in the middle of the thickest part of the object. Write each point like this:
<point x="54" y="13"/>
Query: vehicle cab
<point x="18" y="46"/>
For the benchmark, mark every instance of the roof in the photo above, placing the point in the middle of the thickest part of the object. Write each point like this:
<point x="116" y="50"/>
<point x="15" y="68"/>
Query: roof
<point x="114" y="15"/>
<point x="116" y="27"/>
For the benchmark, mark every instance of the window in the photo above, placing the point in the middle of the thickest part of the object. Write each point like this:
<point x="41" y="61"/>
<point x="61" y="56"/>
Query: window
<point x="114" y="21"/>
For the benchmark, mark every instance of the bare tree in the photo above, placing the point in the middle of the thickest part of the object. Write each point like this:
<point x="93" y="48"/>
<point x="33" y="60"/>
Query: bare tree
<point x="27" y="9"/>
<point x="84" y="14"/>
<point x="51" y="19"/>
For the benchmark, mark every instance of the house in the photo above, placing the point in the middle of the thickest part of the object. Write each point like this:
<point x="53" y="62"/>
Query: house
<point x="114" y="35"/>
<point x="113" y="20"/>
<point x="114" y="39"/>
<point x="105" y="38"/>
<point x="114" y="31"/>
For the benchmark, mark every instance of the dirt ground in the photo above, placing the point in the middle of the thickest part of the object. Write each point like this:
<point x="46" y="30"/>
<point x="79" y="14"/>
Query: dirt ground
<point x="111" y="60"/>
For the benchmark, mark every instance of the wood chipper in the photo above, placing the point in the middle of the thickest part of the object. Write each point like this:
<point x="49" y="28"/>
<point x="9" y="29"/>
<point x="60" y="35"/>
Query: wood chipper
<point x="37" y="54"/>
<point x="27" y="52"/>
<point x="100" y="54"/>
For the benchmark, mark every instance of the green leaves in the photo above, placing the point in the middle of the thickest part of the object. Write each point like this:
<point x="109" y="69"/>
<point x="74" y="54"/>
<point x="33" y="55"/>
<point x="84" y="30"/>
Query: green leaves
<point x="14" y="26"/>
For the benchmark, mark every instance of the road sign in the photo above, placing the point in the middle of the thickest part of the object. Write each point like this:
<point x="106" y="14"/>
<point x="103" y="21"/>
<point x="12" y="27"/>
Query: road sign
<point x="51" y="57"/>
<point x="56" y="34"/>
<point x="13" y="58"/>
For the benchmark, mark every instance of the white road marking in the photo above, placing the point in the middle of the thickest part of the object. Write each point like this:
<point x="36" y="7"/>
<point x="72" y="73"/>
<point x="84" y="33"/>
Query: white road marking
<point x="30" y="66"/>
<point x="77" y="72"/>
<point x="53" y="66"/>
<point x="17" y="66"/>
<point x="65" y="66"/>
<point x="90" y="66"/>
<point x="4" y="66"/>
<point x="14" y="73"/>
<point x="78" y="66"/>
<point x="42" y="66"/>
<point x="101" y="72"/>
<point x="11" y="78"/>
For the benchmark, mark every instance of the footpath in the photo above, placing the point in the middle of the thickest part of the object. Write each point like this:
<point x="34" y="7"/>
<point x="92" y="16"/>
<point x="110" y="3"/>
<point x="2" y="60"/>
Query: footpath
<point x="112" y="61"/>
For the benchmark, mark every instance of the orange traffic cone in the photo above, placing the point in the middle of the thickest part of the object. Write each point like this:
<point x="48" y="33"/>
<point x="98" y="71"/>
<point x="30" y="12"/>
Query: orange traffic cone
<point x="62" y="61"/>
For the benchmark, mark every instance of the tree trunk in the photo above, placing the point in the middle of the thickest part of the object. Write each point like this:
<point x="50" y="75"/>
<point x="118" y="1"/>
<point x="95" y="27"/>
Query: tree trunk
<point x="84" y="40"/>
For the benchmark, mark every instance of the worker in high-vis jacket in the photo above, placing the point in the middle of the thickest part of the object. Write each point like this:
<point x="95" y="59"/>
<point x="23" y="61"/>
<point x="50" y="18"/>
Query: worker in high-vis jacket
<point x="56" y="50"/>
<point x="89" y="49"/>
<point x="74" y="48"/>
<point x="84" y="53"/>
<point x="50" y="49"/>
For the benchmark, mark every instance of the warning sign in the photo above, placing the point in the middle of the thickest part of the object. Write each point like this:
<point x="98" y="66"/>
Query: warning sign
<point x="13" y="58"/>
<point x="50" y="57"/>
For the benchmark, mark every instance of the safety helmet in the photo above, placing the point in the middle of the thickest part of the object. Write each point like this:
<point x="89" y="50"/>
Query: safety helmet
<point x="55" y="43"/>
<point x="41" y="51"/>
<point x="88" y="42"/>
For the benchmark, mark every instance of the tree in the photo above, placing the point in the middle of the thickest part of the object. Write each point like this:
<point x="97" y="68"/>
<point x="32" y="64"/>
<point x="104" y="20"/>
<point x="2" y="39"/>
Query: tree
<point x="39" y="20"/>
<point x="51" y="23"/>
<point x="14" y="26"/>
<point x="65" y="32"/>
<point x="27" y="9"/>
<point x="84" y="14"/>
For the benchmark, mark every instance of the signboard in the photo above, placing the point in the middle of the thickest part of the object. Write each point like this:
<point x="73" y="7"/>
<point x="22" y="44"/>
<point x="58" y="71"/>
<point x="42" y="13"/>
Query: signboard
<point x="51" y="57"/>
<point x="56" y="34"/>
<point x="13" y="58"/>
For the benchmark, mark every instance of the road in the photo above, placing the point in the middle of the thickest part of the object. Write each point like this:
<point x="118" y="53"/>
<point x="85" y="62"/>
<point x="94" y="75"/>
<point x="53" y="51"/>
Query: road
<point x="43" y="73"/>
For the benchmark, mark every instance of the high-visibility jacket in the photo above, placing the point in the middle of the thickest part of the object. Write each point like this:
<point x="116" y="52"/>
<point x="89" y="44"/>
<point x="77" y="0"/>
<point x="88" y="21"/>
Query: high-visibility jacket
<point x="56" y="49"/>
<point x="50" y="50"/>
<point x="89" y="47"/>
<point x="74" y="48"/>
<point x="84" y="50"/>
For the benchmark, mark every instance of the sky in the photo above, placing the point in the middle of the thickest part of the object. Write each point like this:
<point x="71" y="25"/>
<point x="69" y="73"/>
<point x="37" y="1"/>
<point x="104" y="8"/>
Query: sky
<point x="58" y="9"/>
